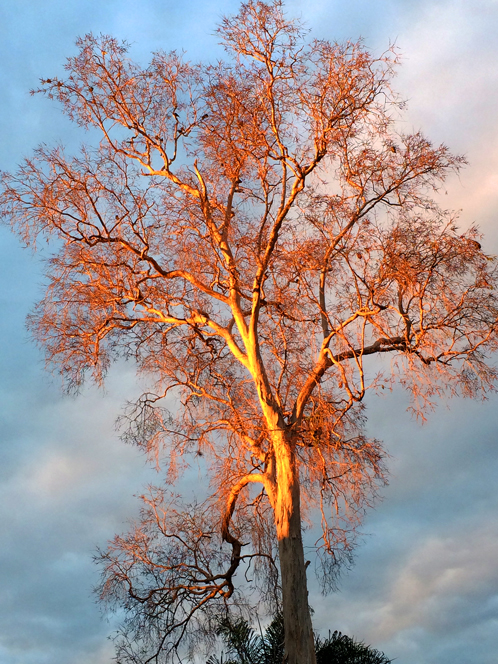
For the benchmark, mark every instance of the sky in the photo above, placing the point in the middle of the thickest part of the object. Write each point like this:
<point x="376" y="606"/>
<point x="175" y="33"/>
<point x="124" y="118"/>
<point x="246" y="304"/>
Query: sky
<point x="424" y="588"/>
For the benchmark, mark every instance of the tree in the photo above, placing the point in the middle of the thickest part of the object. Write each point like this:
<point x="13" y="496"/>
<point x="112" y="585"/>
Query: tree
<point x="251" y="233"/>
<point x="245" y="646"/>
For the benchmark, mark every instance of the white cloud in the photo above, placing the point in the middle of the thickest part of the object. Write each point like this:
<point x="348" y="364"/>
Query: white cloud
<point x="440" y="575"/>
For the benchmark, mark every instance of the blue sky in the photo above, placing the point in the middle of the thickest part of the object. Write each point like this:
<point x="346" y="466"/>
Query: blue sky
<point x="425" y="584"/>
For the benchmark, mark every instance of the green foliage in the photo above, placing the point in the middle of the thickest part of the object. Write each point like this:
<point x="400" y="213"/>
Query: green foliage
<point x="244" y="646"/>
<point x="341" y="649"/>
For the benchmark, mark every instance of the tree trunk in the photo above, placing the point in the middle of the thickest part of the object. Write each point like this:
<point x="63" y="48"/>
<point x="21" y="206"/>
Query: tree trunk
<point x="299" y="642"/>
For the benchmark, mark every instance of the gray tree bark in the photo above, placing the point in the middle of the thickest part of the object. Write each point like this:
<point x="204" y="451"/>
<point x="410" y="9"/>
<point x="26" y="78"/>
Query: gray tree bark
<point x="299" y="641"/>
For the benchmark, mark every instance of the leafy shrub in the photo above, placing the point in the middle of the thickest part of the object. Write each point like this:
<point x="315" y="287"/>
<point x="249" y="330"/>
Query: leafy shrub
<point x="244" y="646"/>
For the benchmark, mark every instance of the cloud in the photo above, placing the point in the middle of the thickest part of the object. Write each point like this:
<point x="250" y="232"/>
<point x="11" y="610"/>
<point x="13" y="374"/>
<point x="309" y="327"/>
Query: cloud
<point x="446" y="593"/>
<point x="438" y="582"/>
<point x="418" y="599"/>
<point x="69" y="487"/>
<point x="425" y="577"/>
<point x="448" y="76"/>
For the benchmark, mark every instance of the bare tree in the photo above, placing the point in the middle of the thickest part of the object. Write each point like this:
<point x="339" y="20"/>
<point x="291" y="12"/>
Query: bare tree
<point x="252" y="232"/>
